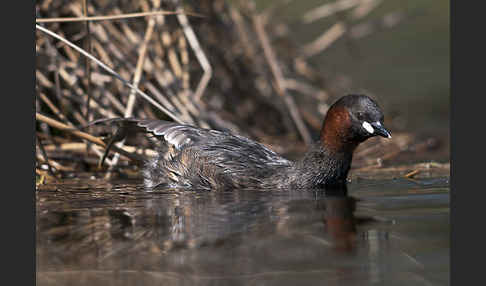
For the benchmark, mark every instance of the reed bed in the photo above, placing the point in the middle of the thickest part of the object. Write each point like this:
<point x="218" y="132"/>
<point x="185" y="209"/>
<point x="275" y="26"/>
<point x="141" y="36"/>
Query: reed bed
<point x="211" y="63"/>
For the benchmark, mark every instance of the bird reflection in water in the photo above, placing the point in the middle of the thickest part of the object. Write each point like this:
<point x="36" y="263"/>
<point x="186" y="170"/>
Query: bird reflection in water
<point x="152" y="229"/>
<point x="338" y="218"/>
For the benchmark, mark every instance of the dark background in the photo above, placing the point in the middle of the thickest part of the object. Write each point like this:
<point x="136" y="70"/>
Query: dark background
<point x="406" y="65"/>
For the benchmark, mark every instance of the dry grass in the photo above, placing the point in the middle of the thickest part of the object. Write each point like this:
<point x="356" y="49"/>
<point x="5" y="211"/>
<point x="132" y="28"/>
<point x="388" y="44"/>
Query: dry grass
<point x="205" y="63"/>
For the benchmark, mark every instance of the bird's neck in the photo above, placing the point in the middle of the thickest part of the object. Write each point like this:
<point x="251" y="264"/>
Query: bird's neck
<point x="322" y="167"/>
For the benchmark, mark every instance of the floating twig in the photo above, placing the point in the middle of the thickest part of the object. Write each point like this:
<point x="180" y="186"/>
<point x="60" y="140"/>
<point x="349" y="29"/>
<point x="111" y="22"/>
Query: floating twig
<point x="412" y="173"/>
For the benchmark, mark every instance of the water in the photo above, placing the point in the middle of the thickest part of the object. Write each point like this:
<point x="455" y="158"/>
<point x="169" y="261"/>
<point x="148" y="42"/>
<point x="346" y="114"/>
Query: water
<point x="382" y="232"/>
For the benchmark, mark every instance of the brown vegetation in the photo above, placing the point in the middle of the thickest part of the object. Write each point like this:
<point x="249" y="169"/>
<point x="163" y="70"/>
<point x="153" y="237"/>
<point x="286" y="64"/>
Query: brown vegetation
<point x="207" y="63"/>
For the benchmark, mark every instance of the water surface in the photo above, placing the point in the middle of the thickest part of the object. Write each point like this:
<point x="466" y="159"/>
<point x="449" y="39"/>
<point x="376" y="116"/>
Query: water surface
<point x="381" y="232"/>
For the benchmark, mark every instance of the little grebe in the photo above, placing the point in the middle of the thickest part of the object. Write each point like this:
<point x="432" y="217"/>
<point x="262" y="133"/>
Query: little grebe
<point x="202" y="159"/>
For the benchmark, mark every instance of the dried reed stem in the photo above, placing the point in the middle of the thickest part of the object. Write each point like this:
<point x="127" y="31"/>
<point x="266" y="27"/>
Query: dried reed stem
<point x="116" y="17"/>
<point x="279" y="78"/>
<point x="136" y="80"/>
<point x="111" y="72"/>
<point x="62" y="126"/>
<point x="201" y="57"/>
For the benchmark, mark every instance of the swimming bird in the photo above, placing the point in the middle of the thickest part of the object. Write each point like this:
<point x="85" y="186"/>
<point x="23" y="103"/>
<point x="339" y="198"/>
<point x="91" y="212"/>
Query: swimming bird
<point x="204" y="159"/>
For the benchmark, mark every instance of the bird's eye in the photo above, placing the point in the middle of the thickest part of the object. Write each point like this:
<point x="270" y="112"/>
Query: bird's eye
<point x="360" y="115"/>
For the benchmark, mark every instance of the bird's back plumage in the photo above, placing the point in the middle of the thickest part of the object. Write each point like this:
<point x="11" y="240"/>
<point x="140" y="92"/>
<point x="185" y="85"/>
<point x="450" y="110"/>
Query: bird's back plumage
<point x="207" y="159"/>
